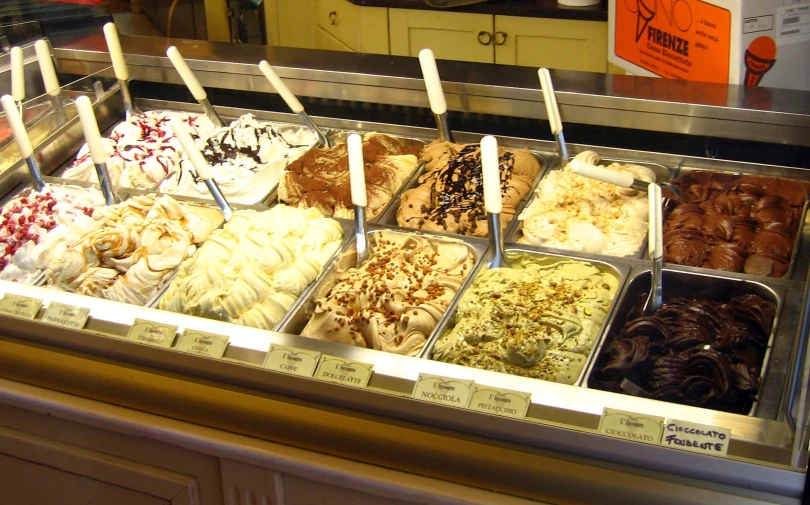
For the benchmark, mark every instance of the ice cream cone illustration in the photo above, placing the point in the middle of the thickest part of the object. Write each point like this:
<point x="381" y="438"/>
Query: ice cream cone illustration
<point x="759" y="58"/>
<point x="645" y="15"/>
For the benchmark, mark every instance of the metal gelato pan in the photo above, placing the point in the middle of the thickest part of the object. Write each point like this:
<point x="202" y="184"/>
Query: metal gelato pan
<point x="298" y="318"/>
<point x="348" y="232"/>
<point x="514" y="233"/>
<point x="692" y="373"/>
<point x="801" y="232"/>
<point x="389" y="217"/>
<point x="504" y="339"/>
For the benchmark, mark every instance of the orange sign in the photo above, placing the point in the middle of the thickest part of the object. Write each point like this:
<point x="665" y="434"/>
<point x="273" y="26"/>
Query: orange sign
<point x="676" y="39"/>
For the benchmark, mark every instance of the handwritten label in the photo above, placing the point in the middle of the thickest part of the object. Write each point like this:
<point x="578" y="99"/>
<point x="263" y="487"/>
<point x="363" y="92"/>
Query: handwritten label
<point x="696" y="437"/>
<point x="150" y="333"/>
<point x="202" y="343"/>
<point x="443" y="390"/>
<point x="20" y="306"/>
<point x="341" y="371"/>
<point x="630" y="426"/>
<point x="498" y="401"/>
<point x="67" y="316"/>
<point x="291" y="360"/>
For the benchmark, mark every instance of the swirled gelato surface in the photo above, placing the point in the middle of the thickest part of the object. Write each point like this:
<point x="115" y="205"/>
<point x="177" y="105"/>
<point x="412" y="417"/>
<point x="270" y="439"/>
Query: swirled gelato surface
<point x="393" y="301"/>
<point x="247" y="157"/>
<point x="539" y="318"/>
<point x="577" y="213"/>
<point x="252" y="270"/>
<point x="320" y="178"/>
<point x="37" y="226"/>
<point x="139" y="244"/>
<point x="737" y="223"/>
<point x="703" y="353"/>
<point x="449" y="196"/>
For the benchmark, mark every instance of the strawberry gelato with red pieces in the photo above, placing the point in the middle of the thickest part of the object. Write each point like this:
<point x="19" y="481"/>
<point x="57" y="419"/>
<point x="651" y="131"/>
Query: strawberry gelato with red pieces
<point x="36" y="226"/>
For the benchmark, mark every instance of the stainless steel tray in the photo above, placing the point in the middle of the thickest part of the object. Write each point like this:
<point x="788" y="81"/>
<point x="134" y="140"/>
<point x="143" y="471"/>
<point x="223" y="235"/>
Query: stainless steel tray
<point x="340" y="136"/>
<point x="298" y="317"/>
<point x="664" y="172"/>
<point x="389" y="217"/>
<point x="348" y="232"/>
<point x="690" y="285"/>
<point x="802" y="239"/>
<point x="619" y="270"/>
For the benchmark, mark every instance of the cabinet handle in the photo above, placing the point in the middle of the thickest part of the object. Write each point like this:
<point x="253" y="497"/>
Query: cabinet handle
<point x="500" y="41"/>
<point x="485" y="36"/>
<point x="333" y="18"/>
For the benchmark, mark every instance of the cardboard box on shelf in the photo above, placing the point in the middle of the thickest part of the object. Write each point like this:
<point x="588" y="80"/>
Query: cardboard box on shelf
<point x="750" y="42"/>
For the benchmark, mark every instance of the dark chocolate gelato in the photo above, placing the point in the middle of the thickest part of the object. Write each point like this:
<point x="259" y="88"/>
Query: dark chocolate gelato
<point x="737" y="223"/>
<point x="702" y="353"/>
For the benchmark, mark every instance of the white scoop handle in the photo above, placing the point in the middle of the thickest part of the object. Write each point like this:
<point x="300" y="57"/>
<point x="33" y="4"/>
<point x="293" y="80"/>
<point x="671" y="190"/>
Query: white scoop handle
<point x="622" y="179"/>
<point x="655" y="236"/>
<point x="550" y="99"/>
<point x="90" y="128"/>
<point x="493" y="201"/>
<point x="46" y="67"/>
<point x="186" y="74"/>
<point x="201" y="165"/>
<point x="357" y="173"/>
<point x="116" y="53"/>
<point x="281" y="88"/>
<point x="17" y="74"/>
<point x="17" y="127"/>
<point x="430" y="72"/>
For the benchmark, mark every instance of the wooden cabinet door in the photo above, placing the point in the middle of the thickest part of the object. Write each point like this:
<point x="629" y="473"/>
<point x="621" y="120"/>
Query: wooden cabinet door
<point x="552" y="43"/>
<point x="451" y="35"/>
<point x="343" y="26"/>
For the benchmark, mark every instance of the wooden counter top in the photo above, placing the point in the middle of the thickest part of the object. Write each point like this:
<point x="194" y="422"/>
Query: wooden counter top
<point x="521" y="8"/>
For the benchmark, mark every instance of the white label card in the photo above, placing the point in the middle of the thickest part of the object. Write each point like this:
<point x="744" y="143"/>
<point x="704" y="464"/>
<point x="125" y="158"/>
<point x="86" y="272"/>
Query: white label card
<point x="443" y="390"/>
<point x="67" y="316"/>
<point x="696" y="437"/>
<point x="631" y="426"/>
<point x="20" y="306"/>
<point x="151" y="333"/>
<point x="342" y="371"/>
<point x="499" y="401"/>
<point x="291" y="360"/>
<point x="202" y="343"/>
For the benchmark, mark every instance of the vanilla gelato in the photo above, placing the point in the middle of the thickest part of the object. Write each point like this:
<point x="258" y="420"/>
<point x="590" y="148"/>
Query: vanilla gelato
<point x="252" y="270"/>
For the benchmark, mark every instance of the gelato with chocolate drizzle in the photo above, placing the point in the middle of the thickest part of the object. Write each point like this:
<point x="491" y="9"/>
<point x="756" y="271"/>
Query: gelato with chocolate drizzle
<point x="450" y="194"/>
<point x="737" y="223"/>
<point x="703" y="353"/>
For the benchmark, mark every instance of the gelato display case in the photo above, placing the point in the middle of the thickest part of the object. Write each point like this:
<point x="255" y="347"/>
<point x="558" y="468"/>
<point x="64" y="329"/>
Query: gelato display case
<point x="508" y="380"/>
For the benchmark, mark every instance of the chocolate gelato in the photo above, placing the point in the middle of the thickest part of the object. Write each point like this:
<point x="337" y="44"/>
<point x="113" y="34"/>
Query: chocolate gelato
<point x="737" y="223"/>
<point x="702" y="353"/>
<point x="320" y="178"/>
<point x="450" y="194"/>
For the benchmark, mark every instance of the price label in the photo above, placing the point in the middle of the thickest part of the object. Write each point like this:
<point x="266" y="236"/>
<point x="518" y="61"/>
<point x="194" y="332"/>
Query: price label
<point x="151" y="333"/>
<point x="498" y="401"/>
<point x="202" y="343"/>
<point x="66" y="316"/>
<point x="443" y="390"/>
<point x="20" y="306"/>
<point x="341" y="371"/>
<point x="631" y="426"/>
<point x="696" y="437"/>
<point x="291" y="360"/>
